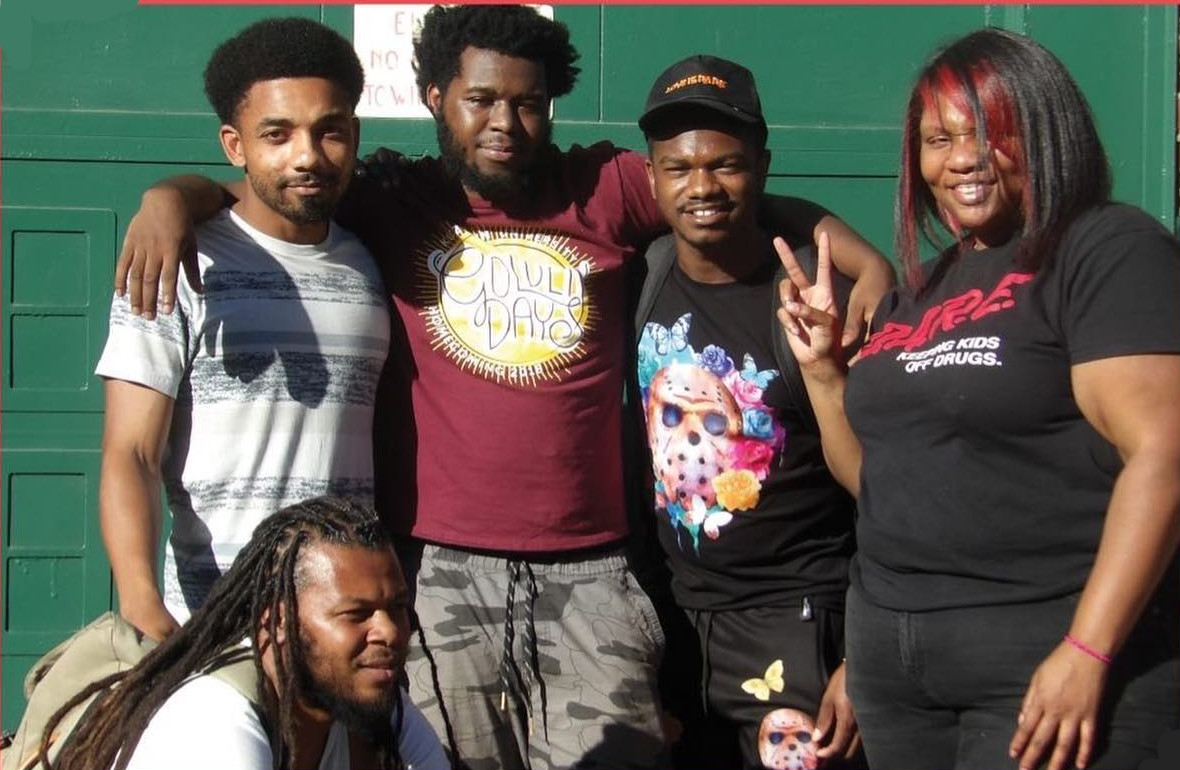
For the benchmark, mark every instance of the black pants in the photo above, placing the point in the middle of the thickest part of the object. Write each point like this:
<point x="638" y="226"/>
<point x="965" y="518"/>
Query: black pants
<point x="942" y="689"/>
<point x="710" y="654"/>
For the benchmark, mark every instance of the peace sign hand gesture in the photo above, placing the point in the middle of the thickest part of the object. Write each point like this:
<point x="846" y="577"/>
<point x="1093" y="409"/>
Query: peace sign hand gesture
<point x="809" y="314"/>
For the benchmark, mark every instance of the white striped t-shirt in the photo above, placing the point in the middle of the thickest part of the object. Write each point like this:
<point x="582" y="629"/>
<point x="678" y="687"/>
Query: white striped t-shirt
<point x="274" y="372"/>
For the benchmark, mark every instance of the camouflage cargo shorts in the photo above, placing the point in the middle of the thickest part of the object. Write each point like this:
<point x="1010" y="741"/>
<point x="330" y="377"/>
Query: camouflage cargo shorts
<point x="577" y="685"/>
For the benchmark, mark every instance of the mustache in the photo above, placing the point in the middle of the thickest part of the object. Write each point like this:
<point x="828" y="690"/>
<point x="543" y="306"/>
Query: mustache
<point x="311" y="180"/>
<point x="381" y="660"/>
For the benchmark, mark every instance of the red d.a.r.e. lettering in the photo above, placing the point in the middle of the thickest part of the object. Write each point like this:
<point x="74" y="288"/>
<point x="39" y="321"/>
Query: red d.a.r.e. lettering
<point x="971" y="305"/>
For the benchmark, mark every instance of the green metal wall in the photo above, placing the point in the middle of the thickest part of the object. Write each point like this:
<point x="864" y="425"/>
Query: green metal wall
<point x="101" y="98"/>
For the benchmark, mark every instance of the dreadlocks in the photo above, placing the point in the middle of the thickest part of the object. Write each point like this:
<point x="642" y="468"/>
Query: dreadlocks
<point x="263" y="578"/>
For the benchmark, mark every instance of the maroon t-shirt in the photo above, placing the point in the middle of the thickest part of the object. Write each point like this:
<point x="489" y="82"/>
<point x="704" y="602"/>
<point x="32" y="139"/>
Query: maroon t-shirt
<point x="510" y="354"/>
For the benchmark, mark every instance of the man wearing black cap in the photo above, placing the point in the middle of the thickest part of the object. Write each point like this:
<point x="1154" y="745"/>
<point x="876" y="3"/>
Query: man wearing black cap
<point x="505" y="260"/>
<point x="756" y="531"/>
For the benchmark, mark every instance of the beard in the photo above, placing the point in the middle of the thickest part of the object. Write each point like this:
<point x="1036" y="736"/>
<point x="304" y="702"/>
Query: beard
<point x="507" y="187"/>
<point x="305" y="210"/>
<point x="369" y="718"/>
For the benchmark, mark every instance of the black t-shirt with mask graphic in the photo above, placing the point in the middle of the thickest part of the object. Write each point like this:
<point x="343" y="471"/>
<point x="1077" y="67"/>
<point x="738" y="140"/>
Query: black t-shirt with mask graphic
<point x="747" y="512"/>
<point x="982" y="481"/>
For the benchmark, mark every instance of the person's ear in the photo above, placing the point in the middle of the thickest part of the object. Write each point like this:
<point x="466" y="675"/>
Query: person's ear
<point x="231" y="145"/>
<point x="280" y="637"/>
<point x="434" y="97"/>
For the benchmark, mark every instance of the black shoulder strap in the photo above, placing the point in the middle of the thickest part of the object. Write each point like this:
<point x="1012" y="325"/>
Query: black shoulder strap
<point x="658" y="259"/>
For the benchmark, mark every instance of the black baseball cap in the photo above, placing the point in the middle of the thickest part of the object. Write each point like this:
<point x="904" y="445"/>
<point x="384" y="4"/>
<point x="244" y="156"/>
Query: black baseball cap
<point x="705" y="81"/>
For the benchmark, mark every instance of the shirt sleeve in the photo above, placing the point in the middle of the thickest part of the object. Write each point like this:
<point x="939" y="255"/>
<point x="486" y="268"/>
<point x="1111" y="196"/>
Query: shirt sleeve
<point x="151" y="353"/>
<point x="793" y="218"/>
<point x="204" y="724"/>
<point x="1119" y="279"/>
<point x="642" y="213"/>
<point x="418" y="744"/>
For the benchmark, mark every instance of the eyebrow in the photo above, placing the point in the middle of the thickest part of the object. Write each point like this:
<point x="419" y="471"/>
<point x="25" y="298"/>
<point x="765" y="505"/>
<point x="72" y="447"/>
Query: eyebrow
<point x="492" y="91"/>
<point x="400" y="596"/>
<point x="331" y="117"/>
<point x="674" y="159"/>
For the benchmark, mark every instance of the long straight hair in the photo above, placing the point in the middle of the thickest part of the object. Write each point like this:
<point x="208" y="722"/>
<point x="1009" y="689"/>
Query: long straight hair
<point x="1026" y="104"/>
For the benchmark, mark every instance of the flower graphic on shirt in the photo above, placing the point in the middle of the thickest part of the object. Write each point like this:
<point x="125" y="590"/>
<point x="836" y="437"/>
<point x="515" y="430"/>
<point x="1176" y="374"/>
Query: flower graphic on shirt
<point x="752" y="455"/>
<point x="757" y="423"/>
<point x="737" y="490"/>
<point x="715" y="360"/>
<point x="712" y="436"/>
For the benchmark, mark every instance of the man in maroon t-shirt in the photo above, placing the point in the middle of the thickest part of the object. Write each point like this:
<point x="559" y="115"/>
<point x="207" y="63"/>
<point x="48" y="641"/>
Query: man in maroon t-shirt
<point x="504" y="258"/>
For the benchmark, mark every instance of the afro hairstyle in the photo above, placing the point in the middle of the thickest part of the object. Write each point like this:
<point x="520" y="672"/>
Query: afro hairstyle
<point x="517" y="31"/>
<point x="279" y="48"/>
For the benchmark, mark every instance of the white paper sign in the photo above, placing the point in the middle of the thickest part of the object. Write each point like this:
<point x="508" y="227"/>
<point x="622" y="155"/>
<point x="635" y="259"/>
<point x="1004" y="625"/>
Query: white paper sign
<point x="383" y="36"/>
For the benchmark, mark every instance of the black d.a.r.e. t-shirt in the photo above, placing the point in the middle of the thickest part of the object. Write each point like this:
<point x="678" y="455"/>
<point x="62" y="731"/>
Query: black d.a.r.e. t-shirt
<point x="982" y="482"/>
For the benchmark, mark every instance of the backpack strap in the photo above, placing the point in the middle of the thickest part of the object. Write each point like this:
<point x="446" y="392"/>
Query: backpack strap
<point x="658" y="260"/>
<point x="235" y="667"/>
<point x="645" y="278"/>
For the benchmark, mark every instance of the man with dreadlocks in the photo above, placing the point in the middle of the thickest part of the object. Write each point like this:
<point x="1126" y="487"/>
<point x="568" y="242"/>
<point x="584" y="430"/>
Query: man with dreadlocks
<point x="317" y="600"/>
<point x="258" y="393"/>
<point x="505" y="257"/>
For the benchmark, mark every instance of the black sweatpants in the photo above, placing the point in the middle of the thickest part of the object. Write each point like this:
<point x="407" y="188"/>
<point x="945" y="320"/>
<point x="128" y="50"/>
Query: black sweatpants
<point x="711" y="654"/>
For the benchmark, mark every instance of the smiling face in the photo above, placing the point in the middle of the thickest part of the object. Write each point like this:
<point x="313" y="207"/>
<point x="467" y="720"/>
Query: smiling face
<point x="354" y="629"/>
<point x="977" y="190"/>
<point x="296" y="138"/>
<point x="706" y="182"/>
<point x="493" y="121"/>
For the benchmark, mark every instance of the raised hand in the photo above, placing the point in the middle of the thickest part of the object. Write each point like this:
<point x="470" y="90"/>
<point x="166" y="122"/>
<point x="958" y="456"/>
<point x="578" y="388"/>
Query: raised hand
<point x="809" y="314"/>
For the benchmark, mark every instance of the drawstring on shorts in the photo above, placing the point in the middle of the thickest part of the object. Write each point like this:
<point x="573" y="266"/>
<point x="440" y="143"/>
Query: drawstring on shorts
<point x="512" y="683"/>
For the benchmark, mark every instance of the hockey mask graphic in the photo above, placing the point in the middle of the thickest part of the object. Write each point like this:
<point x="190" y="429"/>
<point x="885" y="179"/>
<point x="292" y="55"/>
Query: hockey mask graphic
<point x="692" y="418"/>
<point x="784" y="741"/>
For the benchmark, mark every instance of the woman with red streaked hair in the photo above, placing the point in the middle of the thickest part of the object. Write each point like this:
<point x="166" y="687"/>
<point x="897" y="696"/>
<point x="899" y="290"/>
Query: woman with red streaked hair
<point x="1012" y="431"/>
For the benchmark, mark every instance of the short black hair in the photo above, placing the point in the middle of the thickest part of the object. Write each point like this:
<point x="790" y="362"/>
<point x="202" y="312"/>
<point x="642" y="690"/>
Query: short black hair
<point x="279" y="48"/>
<point x="1006" y="78"/>
<point x="517" y="31"/>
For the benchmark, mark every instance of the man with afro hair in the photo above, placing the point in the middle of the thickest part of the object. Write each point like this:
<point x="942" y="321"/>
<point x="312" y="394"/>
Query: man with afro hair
<point x="258" y="393"/>
<point x="501" y="421"/>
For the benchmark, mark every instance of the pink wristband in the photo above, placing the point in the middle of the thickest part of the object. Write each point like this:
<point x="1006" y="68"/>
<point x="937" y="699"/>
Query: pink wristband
<point x="1093" y="653"/>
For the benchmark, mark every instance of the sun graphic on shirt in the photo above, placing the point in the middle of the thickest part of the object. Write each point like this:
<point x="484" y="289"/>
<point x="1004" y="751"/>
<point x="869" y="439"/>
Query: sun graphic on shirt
<point x="506" y="304"/>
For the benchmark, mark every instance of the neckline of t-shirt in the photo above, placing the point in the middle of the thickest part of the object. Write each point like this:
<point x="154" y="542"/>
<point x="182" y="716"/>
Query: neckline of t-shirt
<point x="286" y="248"/>
<point x="970" y="267"/>
<point x="758" y="278"/>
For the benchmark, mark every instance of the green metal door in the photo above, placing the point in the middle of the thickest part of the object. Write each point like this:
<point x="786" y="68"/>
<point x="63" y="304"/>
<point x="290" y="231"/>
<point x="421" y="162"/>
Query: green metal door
<point x="100" y="98"/>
